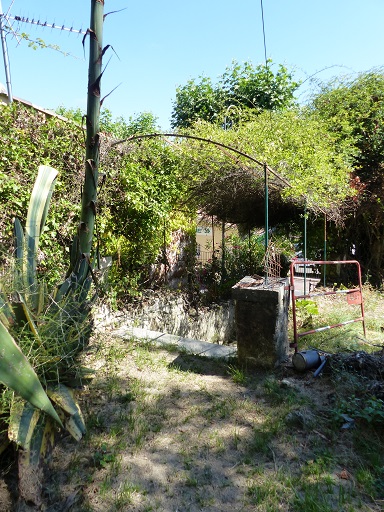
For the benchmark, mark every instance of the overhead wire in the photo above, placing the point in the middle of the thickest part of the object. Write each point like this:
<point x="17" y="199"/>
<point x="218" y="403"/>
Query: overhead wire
<point x="264" y="38"/>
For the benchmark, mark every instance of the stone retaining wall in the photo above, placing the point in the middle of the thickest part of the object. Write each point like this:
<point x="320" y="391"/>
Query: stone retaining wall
<point x="168" y="314"/>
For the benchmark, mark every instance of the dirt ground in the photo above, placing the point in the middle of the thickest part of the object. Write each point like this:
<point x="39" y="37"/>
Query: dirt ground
<point x="179" y="433"/>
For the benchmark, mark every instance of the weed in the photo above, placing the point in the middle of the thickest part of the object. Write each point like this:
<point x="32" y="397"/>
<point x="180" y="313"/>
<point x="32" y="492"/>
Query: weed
<point x="113" y="386"/>
<point x="369" y="410"/>
<point x="191" y="481"/>
<point x="237" y="374"/>
<point x="217" y="442"/>
<point x="115" y="354"/>
<point x="127" y="397"/>
<point x="106" y="485"/>
<point x="103" y="456"/>
<point x="124" y="495"/>
<point x="269" y="494"/>
<point x="221" y="409"/>
<point x="95" y="421"/>
<point x="236" y="439"/>
<point x="367" y="480"/>
<point x="205" y="501"/>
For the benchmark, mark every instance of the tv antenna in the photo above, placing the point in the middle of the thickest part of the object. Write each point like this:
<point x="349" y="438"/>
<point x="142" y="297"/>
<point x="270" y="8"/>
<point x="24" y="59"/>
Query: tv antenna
<point x="31" y="21"/>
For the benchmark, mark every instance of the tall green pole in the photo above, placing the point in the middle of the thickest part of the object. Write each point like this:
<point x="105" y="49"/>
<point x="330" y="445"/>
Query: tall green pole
<point x="266" y="221"/>
<point x="223" y="272"/>
<point x="89" y="197"/>
<point x="305" y="249"/>
<point x="325" y="249"/>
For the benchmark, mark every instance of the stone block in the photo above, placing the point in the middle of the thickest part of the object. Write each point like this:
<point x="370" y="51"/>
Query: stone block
<point x="261" y="319"/>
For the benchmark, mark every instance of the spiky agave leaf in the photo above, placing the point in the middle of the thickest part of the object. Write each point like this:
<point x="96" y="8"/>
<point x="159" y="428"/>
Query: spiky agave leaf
<point x="32" y="459"/>
<point x="7" y="316"/>
<point x="37" y="214"/>
<point x="17" y="373"/>
<point x="72" y="418"/>
<point x="18" y="234"/>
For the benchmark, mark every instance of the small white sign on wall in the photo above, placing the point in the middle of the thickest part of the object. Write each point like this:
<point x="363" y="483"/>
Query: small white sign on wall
<point x="203" y="230"/>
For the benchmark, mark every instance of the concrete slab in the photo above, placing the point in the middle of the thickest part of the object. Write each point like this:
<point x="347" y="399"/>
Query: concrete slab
<point x="189" y="345"/>
<point x="136" y="332"/>
<point x="220" y="351"/>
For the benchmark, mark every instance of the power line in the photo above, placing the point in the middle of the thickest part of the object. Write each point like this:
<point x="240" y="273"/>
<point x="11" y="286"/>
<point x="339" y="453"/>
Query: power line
<point x="265" y="44"/>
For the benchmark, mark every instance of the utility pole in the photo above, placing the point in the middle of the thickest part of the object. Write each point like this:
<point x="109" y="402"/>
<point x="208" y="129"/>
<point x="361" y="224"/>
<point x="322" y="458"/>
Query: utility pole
<point x="5" y="55"/>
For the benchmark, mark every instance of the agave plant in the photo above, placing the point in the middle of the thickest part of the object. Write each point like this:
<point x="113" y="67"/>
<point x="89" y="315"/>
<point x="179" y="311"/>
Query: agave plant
<point x="31" y="320"/>
<point x="50" y="328"/>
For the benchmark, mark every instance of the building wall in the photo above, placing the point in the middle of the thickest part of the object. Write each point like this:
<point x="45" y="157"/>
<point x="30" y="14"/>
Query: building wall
<point x="209" y="238"/>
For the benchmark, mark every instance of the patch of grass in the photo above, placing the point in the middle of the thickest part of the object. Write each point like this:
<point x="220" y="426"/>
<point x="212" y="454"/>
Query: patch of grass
<point x="237" y="374"/>
<point x="220" y="409"/>
<point x="217" y="442"/>
<point x="115" y="353"/>
<point x="334" y="309"/>
<point x="145" y="355"/>
<point x="269" y="492"/>
<point x="205" y="501"/>
<point x="95" y="421"/>
<point x="236" y="438"/>
<point x="112" y="386"/>
<point x="125" y="494"/>
<point x="264" y="433"/>
<point x="191" y="481"/>
<point x="278" y="394"/>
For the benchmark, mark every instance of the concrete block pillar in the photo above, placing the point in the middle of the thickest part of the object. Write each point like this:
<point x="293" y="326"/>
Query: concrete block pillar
<point x="261" y="319"/>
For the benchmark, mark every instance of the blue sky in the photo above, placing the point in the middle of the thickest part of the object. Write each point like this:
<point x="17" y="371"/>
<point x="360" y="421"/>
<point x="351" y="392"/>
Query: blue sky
<point x="161" y="45"/>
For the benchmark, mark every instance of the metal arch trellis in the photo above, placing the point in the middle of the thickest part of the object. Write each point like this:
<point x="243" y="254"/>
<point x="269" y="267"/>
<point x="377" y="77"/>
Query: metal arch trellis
<point x="264" y="166"/>
<point x="210" y="141"/>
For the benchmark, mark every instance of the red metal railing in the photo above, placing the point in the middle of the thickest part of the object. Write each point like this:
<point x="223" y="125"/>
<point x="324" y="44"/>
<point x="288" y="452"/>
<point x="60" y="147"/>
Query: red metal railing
<point x="354" y="296"/>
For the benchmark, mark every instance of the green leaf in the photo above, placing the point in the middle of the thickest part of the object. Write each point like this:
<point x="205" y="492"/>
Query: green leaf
<point x="7" y="316"/>
<point x="23" y="315"/>
<point x="73" y="419"/>
<point x="37" y="214"/>
<point x="18" y="374"/>
<point x="19" y="242"/>
<point x="22" y="422"/>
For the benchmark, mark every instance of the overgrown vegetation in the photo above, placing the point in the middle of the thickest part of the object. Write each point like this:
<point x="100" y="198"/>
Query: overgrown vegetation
<point x="30" y="138"/>
<point x="326" y="159"/>
<point x="353" y="111"/>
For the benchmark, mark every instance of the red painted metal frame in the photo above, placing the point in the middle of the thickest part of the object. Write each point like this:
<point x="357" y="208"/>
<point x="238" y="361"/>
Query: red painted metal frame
<point x="359" y="289"/>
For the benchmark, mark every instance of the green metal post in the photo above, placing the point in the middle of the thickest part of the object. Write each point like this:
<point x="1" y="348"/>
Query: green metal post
<point x="223" y="271"/>
<point x="305" y="249"/>
<point x="266" y="221"/>
<point x="325" y="248"/>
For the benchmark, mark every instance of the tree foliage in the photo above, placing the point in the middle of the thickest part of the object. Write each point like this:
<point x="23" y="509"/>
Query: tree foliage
<point x="29" y="138"/>
<point x="140" y="204"/>
<point x="300" y="152"/>
<point x="238" y="89"/>
<point x="354" y="112"/>
<point x="140" y="190"/>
